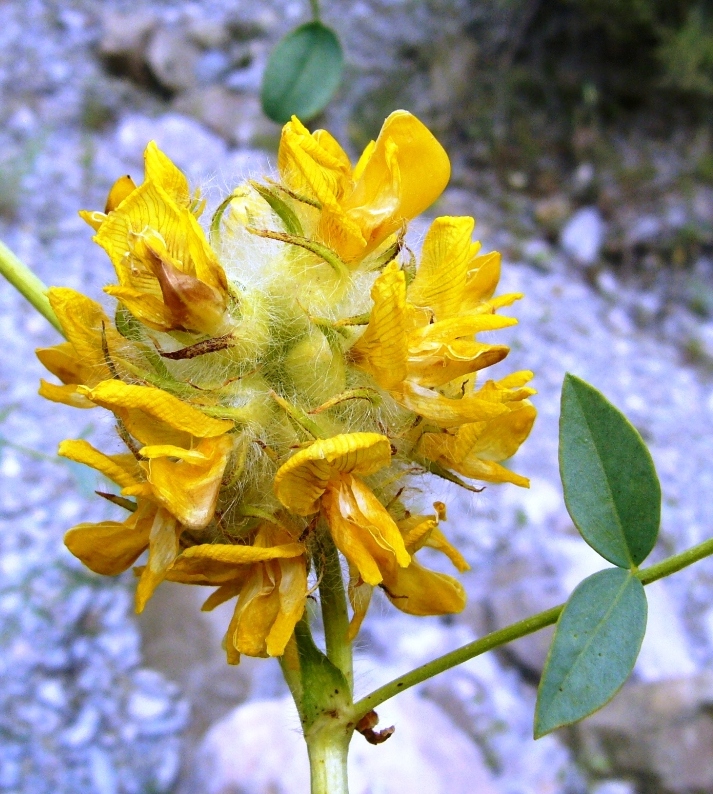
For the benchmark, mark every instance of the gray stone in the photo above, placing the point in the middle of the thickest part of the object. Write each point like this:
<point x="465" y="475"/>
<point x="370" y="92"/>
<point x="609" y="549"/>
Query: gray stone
<point x="426" y="753"/>
<point x="172" y="58"/>
<point x="583" y="234"/>
<point x="237" y="118"/>
<point x="660" y="735"/>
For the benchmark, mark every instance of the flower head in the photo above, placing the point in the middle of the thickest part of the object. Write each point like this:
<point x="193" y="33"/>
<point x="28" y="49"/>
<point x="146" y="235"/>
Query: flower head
<point x="277" y="380"/>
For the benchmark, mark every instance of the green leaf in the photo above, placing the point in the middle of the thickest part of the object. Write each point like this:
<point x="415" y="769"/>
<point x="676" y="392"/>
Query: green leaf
<point x="302" y="74"/>
<point x="610" y="485"/>
<point x="594" y="649"/>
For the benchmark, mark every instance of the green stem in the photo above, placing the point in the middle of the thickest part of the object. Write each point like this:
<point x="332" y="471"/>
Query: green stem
<point x="315" y="9"/>
<point x="520" y="629"/>
<point x="328" y="751"/>
<point x="334" y="611"/>
<point x="27" y="284"/>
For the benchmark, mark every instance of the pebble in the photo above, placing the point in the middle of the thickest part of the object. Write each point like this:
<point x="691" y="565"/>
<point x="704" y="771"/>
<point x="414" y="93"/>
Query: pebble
<point x="583" y="234"/>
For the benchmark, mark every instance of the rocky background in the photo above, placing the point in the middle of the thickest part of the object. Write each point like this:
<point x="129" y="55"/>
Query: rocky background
<point x="593" y="180"/>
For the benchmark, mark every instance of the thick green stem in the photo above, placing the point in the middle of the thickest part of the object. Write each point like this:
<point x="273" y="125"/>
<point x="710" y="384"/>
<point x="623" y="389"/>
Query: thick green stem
<point x="27" y="284"/>
<point x="513" y="632"/>
<point x="328" y="751"/>
<point x="315" y="9"/>
<point x="334" y="610"/>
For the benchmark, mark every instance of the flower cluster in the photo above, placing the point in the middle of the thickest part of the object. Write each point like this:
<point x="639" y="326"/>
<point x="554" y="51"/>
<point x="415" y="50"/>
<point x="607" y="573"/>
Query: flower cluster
<point x="279" y="378"/>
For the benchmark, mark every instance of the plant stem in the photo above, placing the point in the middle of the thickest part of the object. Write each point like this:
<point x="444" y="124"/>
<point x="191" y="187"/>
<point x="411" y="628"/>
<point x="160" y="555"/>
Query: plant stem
<point x="327" y="751"/>
<point x="515" y="631"/>
<point x="334" y="610"/>
<point x="315" y="10"/>
<point x="27" y="284"/>
<point x="676" y="563"/>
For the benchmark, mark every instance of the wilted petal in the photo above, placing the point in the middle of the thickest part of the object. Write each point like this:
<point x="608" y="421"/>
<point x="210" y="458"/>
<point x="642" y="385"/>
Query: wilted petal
<point x="362" y="529"/>
<point x="419" y="591"/>
<point x="163" y="550"/>
<point x="187" y="482"/>
<point x="110" y="547"/>
<point x="121" y="397"/>
<point x="122" y="469"/>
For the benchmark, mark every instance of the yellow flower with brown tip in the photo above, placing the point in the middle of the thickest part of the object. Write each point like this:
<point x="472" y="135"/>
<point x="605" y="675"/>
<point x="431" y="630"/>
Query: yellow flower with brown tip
<point x="397" y="177"/>
<point x="322" y="476"/>
<point x="169" y="277"/>
<point x="269" y="578"/>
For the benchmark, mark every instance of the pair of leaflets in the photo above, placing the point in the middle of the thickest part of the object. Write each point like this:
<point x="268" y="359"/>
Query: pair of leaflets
<point x="613" y="495"/>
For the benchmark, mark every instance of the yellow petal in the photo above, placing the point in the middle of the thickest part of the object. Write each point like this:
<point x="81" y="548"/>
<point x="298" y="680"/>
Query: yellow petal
<point x="147" y="308"/>
<point x="238" y="555"/>
<point x="63" y="394"/>
<point x="187" y="482"/>
<point x="309" y="166"/>
<point x="416" y="530"/>
<point x="150" y="214"/>
<point x="123" y="186"/>
<point x="446" y="412"/>
<point x="301" y="481"/>
<point x="482" y="281"/>
<point x="110" y="547"/>
<point x="422" y="162"/>
<point x="62" y="361"/>
<point x="436" y="365"/>
<point x="162" y="171"/>
<point x="359" y="597"/>
<point x="383" y="347"/>
<point x="121" y="469"/>
<point x="441" y="276"/>
<point x="120" y="396"/>
<point x="362" y="529"/>
<point x="257" y="609"/>
<point x="293" y="598"/>
<point x="445" y="331"/>
<point x="437" y="540"/>
<point x="92" y="218"/>
<point x="418" y="591"/>
<point x="224" y="593"/>
<point x="83" y="322"/>
<point x="163" y="550"/>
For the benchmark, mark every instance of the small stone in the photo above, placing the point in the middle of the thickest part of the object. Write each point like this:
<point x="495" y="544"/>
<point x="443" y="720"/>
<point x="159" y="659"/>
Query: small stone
<point x="583" y="235"/>
<point x="83" y="729"/>
<point x="172" y="58"/>
<point x="146" y="707"/>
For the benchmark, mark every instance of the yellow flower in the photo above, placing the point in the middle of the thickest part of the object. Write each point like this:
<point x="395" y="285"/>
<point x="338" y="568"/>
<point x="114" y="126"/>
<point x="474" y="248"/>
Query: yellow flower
<point x="415" y="590"/>
<point x="270" y="579"/>
<point x="111" y="547"/>
<point x="422" y="339"/>
<point x="169" y="277"/>
<point x="474" y="449"/>
<point x="322" y="476"/>
<point x="397" y="177"/>
<point x="92" y="345"/>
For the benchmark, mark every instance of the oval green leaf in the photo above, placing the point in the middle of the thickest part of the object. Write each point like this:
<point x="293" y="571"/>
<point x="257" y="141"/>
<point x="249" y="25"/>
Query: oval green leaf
<point x="594" y="649"/>
<point x="610" y="485"/>
<point x="302" y="74"/>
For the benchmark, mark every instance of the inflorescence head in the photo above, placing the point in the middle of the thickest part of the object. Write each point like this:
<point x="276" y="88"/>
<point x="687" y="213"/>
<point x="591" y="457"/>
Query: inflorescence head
<point x="277" y="376"/>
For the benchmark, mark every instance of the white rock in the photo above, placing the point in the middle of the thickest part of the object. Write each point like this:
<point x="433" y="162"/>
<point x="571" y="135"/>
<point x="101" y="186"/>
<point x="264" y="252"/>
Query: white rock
<point x="259" y="748"/>
<point x="583" y="235"/>
<point x="185" y="141"/>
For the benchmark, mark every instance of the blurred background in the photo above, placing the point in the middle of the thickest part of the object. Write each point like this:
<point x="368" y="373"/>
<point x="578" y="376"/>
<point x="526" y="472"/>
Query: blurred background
<point x="580" y="137"/>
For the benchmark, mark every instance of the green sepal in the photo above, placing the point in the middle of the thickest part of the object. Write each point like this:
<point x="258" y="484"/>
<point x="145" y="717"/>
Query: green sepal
<point x="597" y="640"/>
<point x="283" y="211"/>
<point x="324" y="687"/>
